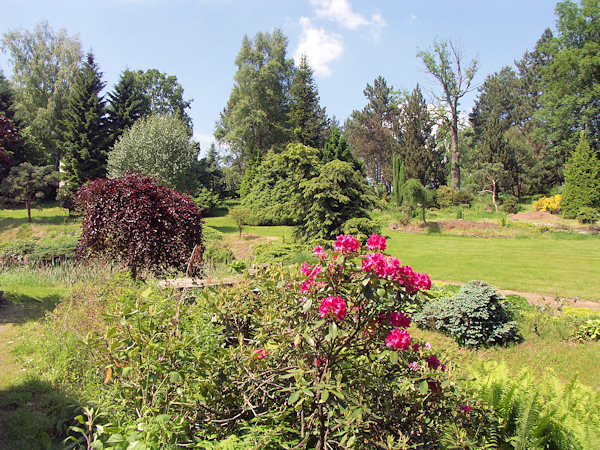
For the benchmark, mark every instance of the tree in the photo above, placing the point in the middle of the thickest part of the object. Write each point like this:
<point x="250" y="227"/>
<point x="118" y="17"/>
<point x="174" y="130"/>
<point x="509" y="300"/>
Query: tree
<point x="44" y="66"/>
<point x="582" y="180"/>
<point x="10" y="139"/>
<point x="570" y="101"/>
<point x="373" y="132"/>
<point x="164" y="95"/>
<point x="414" y="194"/>
<point x="421" y="157"/>
<point x="157" y="146"/>
<point x="240" y="215"/>
<point x="307" y="120"/>
<point x="333" y="197"/>
<point x="336" y="147"/>
<point x="134" y="220"/>
<point x="256" y="116"/>
<point x="85" y="133"/>
<point x="7" y="98"/>
<point x="126" y="104"/>
<point x="27" y="184"/>
<point x="446" y="66"/>
<point x="399" y="175"/>
<point x="274" y="193"/>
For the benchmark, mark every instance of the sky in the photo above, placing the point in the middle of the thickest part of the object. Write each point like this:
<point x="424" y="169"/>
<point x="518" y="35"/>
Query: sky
<point x="348" y="42"/>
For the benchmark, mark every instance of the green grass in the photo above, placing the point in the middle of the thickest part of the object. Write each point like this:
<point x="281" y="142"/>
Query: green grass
<point x="226" y="225"/>
<point x="555" y="267"/>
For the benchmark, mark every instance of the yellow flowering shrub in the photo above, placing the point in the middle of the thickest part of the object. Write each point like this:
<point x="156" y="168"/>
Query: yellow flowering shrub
<point x="551" y="204"/>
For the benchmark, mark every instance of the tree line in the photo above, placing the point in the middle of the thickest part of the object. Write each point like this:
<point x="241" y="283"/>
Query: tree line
<point x="518" y="139"/>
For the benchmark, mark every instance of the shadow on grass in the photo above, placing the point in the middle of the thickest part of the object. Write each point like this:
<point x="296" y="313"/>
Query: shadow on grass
<point x="217" y="212"/>
<point x="433" y="228"/>
<point x="34" y="415"/>
<point x="21" y="308"/>
<point x="226" y="229"/>
<point x="7" y="223"/>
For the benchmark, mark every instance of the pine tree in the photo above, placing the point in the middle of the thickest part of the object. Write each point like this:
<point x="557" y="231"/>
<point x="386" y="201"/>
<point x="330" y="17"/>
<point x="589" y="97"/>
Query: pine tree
<point x="582" y="180"/>
<point x="337" y="147"/>
<point x="84" y="138"/>
<point x="306" y="118"/>
<point x="126" y="104"/>
<point x="422" y="159"/>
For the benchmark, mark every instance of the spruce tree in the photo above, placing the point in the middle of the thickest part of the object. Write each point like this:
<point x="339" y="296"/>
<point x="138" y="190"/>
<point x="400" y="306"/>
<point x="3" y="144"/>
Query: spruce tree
<point x="337" y="147"/>
<point x="582" y="180"/>
<point x="307" y="119"/>
<point x="85" y="137"/>
<point x="126" y="104"/>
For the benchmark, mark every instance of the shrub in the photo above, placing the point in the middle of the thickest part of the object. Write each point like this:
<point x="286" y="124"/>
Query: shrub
<point x="206" y="199"/>
<point x="474" y="317"/>
<point x="582" y="180"/>
<point x="587" y="215"/>
<point x="550" y="204"/>
<point x="445" y="196"/>
<point x="462" y="198"/>
<point x="589" y="330"/>
<point x="361" y="227"/>
<point x="158" y="146"/>
<point x="510" y="204"/>
<point x="134" y="220"/>
<point x="315" y="358"/>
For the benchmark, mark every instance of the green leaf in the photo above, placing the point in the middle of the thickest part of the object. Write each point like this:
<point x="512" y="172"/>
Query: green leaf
<point x="115" y="439"/>
<point x="393" y="357"/>
<point x="309" y="340"/>
<point x="333" y="331"/>
<point x="324" y="395"/>
<point x="147" y="293"/>
<point x="307" y="304"/>
<point x="338" y="394"/>
<point x="175" y="377"/>
<point x="423" y="387"/>
<point x="294" y="397"/>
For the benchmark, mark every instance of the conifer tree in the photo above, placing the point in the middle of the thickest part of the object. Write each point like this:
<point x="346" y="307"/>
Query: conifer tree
<point x="337" y="147"/>
<point x="126" y="104"/>
<point x="582" y="180"/>
<point x="84" y="138"/>
<point x="307" y="119"/>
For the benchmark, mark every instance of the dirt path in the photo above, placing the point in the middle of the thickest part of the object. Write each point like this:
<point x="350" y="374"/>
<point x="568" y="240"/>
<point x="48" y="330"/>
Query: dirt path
<point x="541" y="299"/>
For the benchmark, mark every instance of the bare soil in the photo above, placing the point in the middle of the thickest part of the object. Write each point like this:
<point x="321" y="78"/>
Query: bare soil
<point x="243" y="248"/>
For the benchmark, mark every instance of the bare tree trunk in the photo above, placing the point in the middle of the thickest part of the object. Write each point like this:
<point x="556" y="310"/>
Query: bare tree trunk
<point x="455" y="152"/>
<point x="28" y="206"/>
<point x="494" y="195"/>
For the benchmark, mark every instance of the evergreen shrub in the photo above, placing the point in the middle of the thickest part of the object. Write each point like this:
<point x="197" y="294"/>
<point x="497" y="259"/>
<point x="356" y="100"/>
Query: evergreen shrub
<point x="445" y="196"/>
<point x="587" y="214"/>
<point x="510" y="204"/>
<point x="475" y="317"/>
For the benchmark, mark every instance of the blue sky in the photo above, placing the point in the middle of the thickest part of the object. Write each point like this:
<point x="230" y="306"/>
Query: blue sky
<point x="348" y="42"/>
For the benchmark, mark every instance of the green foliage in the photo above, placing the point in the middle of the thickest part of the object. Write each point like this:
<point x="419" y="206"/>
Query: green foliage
<point x="587" y="215"/>
<point x="399" y="177"/>
<point x="462" y="198"/>
<point x="85" y="134"/>
<point x="474" y="317"/>
<point x="157" y="146"/>
<point x="422" y="159"/>
<point x="215" y="252"/>
<point x="372" y="132"/>
<point x="28" y="184"/>
<point x="275" y="188"/>
<point x="44" y="63"/>
<point x="256" y="115"/>
<point x="338" y="193"/>
<point x="538" y="413"/>
<point x="26" y="252"/>
<point x="510" y="204"/>
<point x="413" y="195"/>
<point x="307" y="120"/>
<point x="206" y="199"/>
<point x="285" y="251"/>
<point x="241" y="215"/>
<point x="445" y="196"/>
<point x="361" y="228"/>
<point x="337" y="147"/>
<point x="582" y="180"/>
<point x="588" y="330"/>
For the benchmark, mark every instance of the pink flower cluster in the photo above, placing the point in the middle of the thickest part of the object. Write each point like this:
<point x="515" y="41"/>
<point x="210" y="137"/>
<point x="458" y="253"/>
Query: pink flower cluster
<point x="310" y="271"/>
<point x="318" y="251"/>
<point x="392" y="269"/>
<point x="260" y="354"/>
<point x="399" y="320"/>
<point x="346" y="244"/>
<point x="337" y="305"/>
<point x="398" y="339"/>
<point x="376" y="242"/>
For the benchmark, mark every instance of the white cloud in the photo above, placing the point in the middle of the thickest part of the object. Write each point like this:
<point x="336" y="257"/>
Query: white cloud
<point x="341" y="11"/>
<point x="320" y="47"/>
<point x="205" y="140"/>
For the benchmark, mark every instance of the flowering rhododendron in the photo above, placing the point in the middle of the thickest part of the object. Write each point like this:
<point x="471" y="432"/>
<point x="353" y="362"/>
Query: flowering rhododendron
<point x="413" y="365"/>
<point x="398" y="339"/>
<point x="399" y="320"/>
<point x="337" y="305"/>
<point x="428" y="345"/>
<point x="391" y="269"/>
<point x="318" y="252"/>
<point x="376" y="242"/>
<point x="260" y="354"/>
<point x="306" y="285"/>
<point x="310" y="271"/>
<point x="465" y="409"/>
<point x="346" y="244"/>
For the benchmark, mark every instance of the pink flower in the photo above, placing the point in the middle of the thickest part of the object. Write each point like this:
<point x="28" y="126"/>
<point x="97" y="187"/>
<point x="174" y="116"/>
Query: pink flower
<point x="346" y="244"/>
<point x="413" y="366"/>
<point x="318" y="251"/>
<point x="398" y="339"/>
<point x="310" y="271"/>
<point x="465" y="409"/>
<point x="376" y="242"/>
<point x="376" y="263"/>
<point x="399" y="319"/>
<point x="428" y="345"/>
<point x="433" y="362"/>
<point x="305" y="287"/>
<point x="261" y="354"/>
<point x="337" y="305"/>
